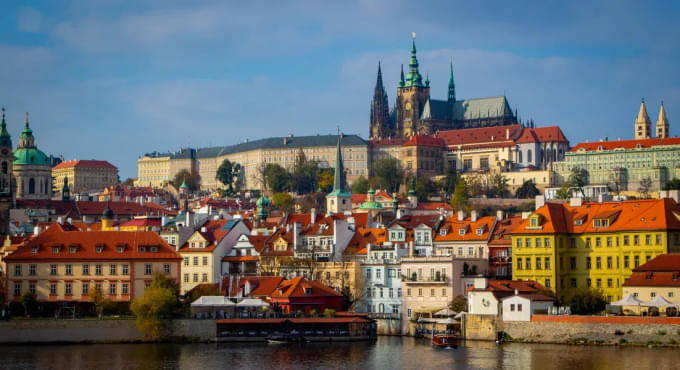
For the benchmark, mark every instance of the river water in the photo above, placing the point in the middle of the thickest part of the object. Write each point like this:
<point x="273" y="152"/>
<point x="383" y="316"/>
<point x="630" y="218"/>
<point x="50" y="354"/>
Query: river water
<point x="386" y="353"/>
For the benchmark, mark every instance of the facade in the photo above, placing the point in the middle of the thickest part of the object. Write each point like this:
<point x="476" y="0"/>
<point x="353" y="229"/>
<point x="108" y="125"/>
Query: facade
<point x="464" y="237"/>
<point x="32" y="168"/>
<point x="415" y="112"/>
<point x="660" y="277"/>
<point x="381" y="272"/>
<point x="6" y="178"/>
<point x="82" y="176"/>
<point x="60" y="265"/>
<point x="423" y="156"/>
<point x="300" y="294"/>
<point x="570" y="246"/>
<point x="486" y="295"/>
<point x="155" y="169"/>
<point x="520" y="307"/>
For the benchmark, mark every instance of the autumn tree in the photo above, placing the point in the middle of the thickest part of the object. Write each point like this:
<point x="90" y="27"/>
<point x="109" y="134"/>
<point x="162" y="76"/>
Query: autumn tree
<point x="460" y="195"/>
<point x="193" y="179"/>
<point x="388" y="174"/>
<point x="99" y="300"/>
<point x="587" y="301"/>
<point x="283" y="202"/>
<point x="156" y="306"/>
<point x="325" y="179"/>
<point x="563" y="192"/>
<point x="528" y="190"/>
<point x="28" y="302"/>
<point x="459" y="304"/>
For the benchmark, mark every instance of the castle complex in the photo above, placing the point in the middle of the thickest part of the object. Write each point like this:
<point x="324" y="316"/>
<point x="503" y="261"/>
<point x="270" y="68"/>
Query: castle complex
<point x="415" y="112"/>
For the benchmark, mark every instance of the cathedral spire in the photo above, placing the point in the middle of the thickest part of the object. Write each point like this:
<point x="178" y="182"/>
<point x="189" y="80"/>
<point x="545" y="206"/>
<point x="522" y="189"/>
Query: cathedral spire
<point x="413" y="78"/>
<point x="452" y="86"/>
<point x="5" y="139"/>
<point x="402" y="83"/>
<point x="643" y="125"/>
<point x="339" y="183"/>
<point x="662" y="123"/>
<point x="379" y="123"/>
<point x="379" y="80"/>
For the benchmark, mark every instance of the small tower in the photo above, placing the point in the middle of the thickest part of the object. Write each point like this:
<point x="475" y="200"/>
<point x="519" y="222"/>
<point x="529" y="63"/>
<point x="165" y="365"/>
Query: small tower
<point x="184" y="188"/>
<point x="339" y="200"/>
<point x="452" y="86"/>
<point x="107" y="219"/>
<point x="65" y="192"/>
<point x="643" y="125"/>
<point x="412" y="196"/>
<point x="262" y="206"/>
<point x="662" y="129"/>
<point x="6" y="160"/>
<point x="412" y="95"/>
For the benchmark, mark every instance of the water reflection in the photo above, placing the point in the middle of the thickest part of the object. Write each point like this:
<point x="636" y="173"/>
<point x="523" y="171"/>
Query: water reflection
<point x="387" y="352"/>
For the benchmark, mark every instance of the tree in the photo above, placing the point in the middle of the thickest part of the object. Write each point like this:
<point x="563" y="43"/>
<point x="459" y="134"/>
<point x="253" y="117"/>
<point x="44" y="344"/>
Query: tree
<point x="645" y="187"/>
<point x="198" y="292"/>
<point x="278" y="178"/>
<point x="447" y="184"/>
<point x="304" y="174"/>
<point x="500" y="186"/>
<point x="99" y="300"/>
<point x="587" y="301"/>
<point x="563" y="192"/>
<point x="261" y="175"/>
<point x="360" y="185"/>
<point x="673" y="184"/>
<point x="616" y="178"/>
<point x="460" y="195"/>
<point x="155" y="306"/>
<point x="388" y="174"/>
<point x="128" y="182"/>
<point x="528" y="190"/>
<point x="578" y="178"/>
<point x="459" y="304"/>
<point x="283" y="202"/>
<point x="325" y="179"/>
<point x="193" y="179"/>
<point x="425" y="188"/>
<point x="28" y="302"/>
<point x="227" y="172"/>
<point x="312" y="200"/>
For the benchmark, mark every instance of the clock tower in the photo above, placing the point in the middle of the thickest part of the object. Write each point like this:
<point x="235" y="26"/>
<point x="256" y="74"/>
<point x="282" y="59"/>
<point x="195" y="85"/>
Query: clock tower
<point x="412" y="95"/>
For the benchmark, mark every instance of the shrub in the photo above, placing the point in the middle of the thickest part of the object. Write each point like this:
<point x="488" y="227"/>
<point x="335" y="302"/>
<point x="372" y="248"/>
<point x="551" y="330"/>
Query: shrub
<point x="661" y="332"/>
<point x="587" y="301"/>
<point x="329" y="312"/>
<point x="458" y="304"/>
<point x="623" y="341"/>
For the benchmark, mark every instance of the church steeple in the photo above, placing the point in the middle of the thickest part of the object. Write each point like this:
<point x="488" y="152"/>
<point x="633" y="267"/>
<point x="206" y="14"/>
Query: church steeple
<point x="402" y="83"/>
<point x="5" y="139"/>
<point x="413" y="78"/>
<point x="662" y="129"/>
<point x="643" y="125"/>
<point x="452" y="86"/>
<point x="26" y="140"/>
<point x="339" y="200"/>
<point x="379" y="124"/>
<point x="339" y="183"/>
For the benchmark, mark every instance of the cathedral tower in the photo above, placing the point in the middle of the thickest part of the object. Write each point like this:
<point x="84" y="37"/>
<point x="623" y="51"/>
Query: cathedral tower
<point x="452" y="86"/>
<point x="643" y="125"/>
<point x="6" y="161"/>
<point x="662" y="130"/>
<point x="412" y="95"/>
<point x="380" y="124"/>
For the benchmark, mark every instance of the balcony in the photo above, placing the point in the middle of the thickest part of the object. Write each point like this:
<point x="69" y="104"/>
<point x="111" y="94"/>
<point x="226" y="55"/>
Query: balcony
<point x="425" y="280"/>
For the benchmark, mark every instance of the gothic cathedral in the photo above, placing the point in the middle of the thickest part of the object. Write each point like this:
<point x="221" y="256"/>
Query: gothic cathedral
<point x="6" y="186"/>
<point x="416" y="113"/>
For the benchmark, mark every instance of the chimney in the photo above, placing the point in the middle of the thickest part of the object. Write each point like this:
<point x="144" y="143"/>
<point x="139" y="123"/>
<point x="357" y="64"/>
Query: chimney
<point x="576" y="202"/>
<point x="499" y="215"/>
<point x="204" y="229"/>
<point x="69" y="220"/>
<point x="525" y="215"/>
<point x="461" y="215"/>
<point x="673" y="194"/>
<point x="480" y="283"/>
<point x="60" y="220"/>
<point x="410" y="248"/>
<point x="540" y="201"/>
<point x="473" y="215"/>
<point x="507" y="134"/>
<point x="36" y="230"/>
<point x="400" y="213"/>
<point x="516" y="292"/>
<point x="312" y="213"/>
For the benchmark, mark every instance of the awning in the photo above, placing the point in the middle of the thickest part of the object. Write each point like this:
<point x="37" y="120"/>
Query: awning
<point x="447" y="312"/>
<point x="212" y="301"/>
<point x="252" y="302"/>
<point x="658" y="301"/>
<point x="628" y="300"/>
<point x="430" y="310"/>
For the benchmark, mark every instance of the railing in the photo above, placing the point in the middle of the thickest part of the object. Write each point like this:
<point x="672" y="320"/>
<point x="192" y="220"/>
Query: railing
<point x="423" y="279"/>
<point x="390" y="316"/>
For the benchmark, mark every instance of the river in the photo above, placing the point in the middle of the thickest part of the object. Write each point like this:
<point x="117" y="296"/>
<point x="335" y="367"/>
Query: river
<point x="386" y="353"/>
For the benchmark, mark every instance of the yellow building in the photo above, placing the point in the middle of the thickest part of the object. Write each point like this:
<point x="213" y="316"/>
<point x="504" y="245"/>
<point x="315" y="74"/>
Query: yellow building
<point x="84" y="175"/>
<point x="153" y="170"/>
<point x="567" y="247"/>
<point x="63" y="266"/>
<point x="656" y="281"/>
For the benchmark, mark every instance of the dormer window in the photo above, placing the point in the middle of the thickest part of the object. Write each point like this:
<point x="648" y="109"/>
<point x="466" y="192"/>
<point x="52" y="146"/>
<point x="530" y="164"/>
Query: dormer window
<point x="34" y="250"/>
<point x="142" y="249"/>
<point x="72" y="249"/>
<point x="99" y="248"/>
<point x="120" y="248"/>
<point x="154" y="249"/>
<point x="55" y="250"/>
<point x="480" y="231"/>
<point x="461" y="231"/>
<point x="442" y="232"/>
<point x="308" y="291"/>
<point x="533" y="222"/>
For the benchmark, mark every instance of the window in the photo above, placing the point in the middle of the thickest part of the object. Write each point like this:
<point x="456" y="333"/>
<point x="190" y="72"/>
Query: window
<point x="186" y="261"/>
<point x="98" y="269"/>
<point x="195" y="277"/>
<point x="588" y="243"/>
<point x="126" y="269"/>
<point x="588" y="265"/>
<point x="86" y="269"/>
<point x="124" y="289"/>
<point x="610" y="283"/>
<point x="86" y="289"/>
<point x="658" y="239"/>
<point x="546" y="242"/>
<point x="547" y="263"/>
<point x="519" y="242"/>
<point x="599" y="283"/>
<point x="68" y="288"/>
<point x="377" y="273"/>
<point x="205" y="260"/>
<point x="519" y="263"/>
<point x="626" y="262"/>
<point x="598" y="242"/>
<point x="538" y="242"/>
<point x="147" y="269"/>
<point x="53" y="289"/>
<point x="512" y="307"/>
<point x="626" y="240"/>
<point x="113" y="269"/>
<point x="186" y="278"/>
<point x="17" y="270"/>
<point x="205" y="277"/>
<point x="636" y="262"/>
<point x="196" y="261"/>
<point x="572" y="263"/>
<point x="112" y="289"/>
<point x="648" y="239"/>
<point x="409" y="313"/>
<point x="53" y="269"/>
<point x="17" y="290"/>
<point x="589" y="282"/>
<point x="31" y="269"/>
<point x="391" y="293"/>
<point x="527" y="262"/>
<point x="538" y="263"/>
<point x="572" y="243"/>
<point x="573" y="282"/>
<point x="648" y="257"/>
<point x="420" y="292"/>
<point x="166" y="269"/>
<point x="443" y="292"/>
<point x="519" y="307"/>
<point x="399" y="292"/>
<point x="610" y="262"/>
<point x="636" y="239"/>
<point x="547" y="283"/>
<point x="598" y="263"/>
<point x="609" y="241"/>
<point x="432" y="292"/>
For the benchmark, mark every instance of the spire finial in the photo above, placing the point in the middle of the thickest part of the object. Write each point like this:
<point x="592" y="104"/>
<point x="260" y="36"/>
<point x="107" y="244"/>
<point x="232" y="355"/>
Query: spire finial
<point x="413" y="35"/>
<point x="3" y="113"/>
<point x="26" y="119"/>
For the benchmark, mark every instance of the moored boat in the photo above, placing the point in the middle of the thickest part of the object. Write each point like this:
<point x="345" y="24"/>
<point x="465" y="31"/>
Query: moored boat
<point x="445" y="341"/>
<point x="286" y="338"/>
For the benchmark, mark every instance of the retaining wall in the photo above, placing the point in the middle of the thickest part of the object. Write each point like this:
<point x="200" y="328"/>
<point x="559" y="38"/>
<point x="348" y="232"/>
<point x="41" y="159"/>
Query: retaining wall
<point x="388" y="326"/>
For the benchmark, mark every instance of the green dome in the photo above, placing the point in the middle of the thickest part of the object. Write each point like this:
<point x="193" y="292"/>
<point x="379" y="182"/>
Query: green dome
<point x="28" y="156"/>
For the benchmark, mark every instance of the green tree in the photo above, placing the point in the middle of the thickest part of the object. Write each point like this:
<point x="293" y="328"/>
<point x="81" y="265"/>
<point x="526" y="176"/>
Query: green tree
<point x="587" y="301"/>
<point x="99" y="300"/>
<point x="325" y="179"/>
<point x="160" y="280"/>
<point x="388" y="174"/>
<point x="198" y="292"/>
<point x="500" y="185"/>
<point x="277" y="177"/>
<point x="460" y="195"/>
<point x="578" y="178"/>
<point x="193" y="179"/>
<point x="673" y="184"/>
<point x="227" y="173"/>
<point x="459" y="304"/>
<point x="563" y="192"/>
<point x="425" y="188"/>
<point x="528" y="190"/>
<point x="360" y="185"/>
<point x="304" y="175"/>
<point x="28" y="302"/>
<point x="447" y="184"/>
<point x="128" y="182"/>
<point x="645" y="187"/>
<point x="283" y="202"/>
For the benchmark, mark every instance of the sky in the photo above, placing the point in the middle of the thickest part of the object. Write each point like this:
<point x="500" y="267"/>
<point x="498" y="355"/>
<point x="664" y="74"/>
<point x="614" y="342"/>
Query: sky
<point x="113" y="80"/>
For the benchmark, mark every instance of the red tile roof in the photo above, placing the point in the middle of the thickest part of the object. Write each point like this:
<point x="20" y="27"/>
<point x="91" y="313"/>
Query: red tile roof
<point x="213" y="234"/>
<point x="663" y="270"/>
<point x="452" y="227"/>
<point x="86" y="243"/>
<point x="87" y="208"/>
<point x="298" y="287"/>
<point x="625" y="144"/>
<point x="662" y="262"/>
<point x="143" y="222"/>
<point x="84" y="163"/>
<point x="259" y="285"/>
<point x="423" y="140"/>
<point x="387" y="142"/>
<point x="433" y="206"/>
<point x="500" y="236"/>
<point x="471" y="136"/>
<point x="541" y="135"/>
<point x="505" y="288"/>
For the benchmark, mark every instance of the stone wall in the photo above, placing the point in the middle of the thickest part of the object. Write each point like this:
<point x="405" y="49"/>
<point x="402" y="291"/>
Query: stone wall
<point x="595" y="330"/>
<point x="481" y="327"/>
<point x="77" y="331"/>
<point x="388" y="326"/>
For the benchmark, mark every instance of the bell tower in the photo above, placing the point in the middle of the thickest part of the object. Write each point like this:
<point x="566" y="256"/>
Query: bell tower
<point x="6" y="164"/>
<point x="412" y="95"/>
<point x="643" y="125"/>
<point x="379" y="125"/>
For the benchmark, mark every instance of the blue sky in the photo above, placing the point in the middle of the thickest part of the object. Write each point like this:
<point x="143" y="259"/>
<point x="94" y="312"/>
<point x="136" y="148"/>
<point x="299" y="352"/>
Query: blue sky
<point x="109" y="81"/>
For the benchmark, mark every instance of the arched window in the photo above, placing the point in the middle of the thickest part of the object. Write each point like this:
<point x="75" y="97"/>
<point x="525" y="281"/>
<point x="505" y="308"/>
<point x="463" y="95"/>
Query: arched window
<point x="31" y="186"/>
<point x="529" y="156"/>
<point x="4" y="168"/>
